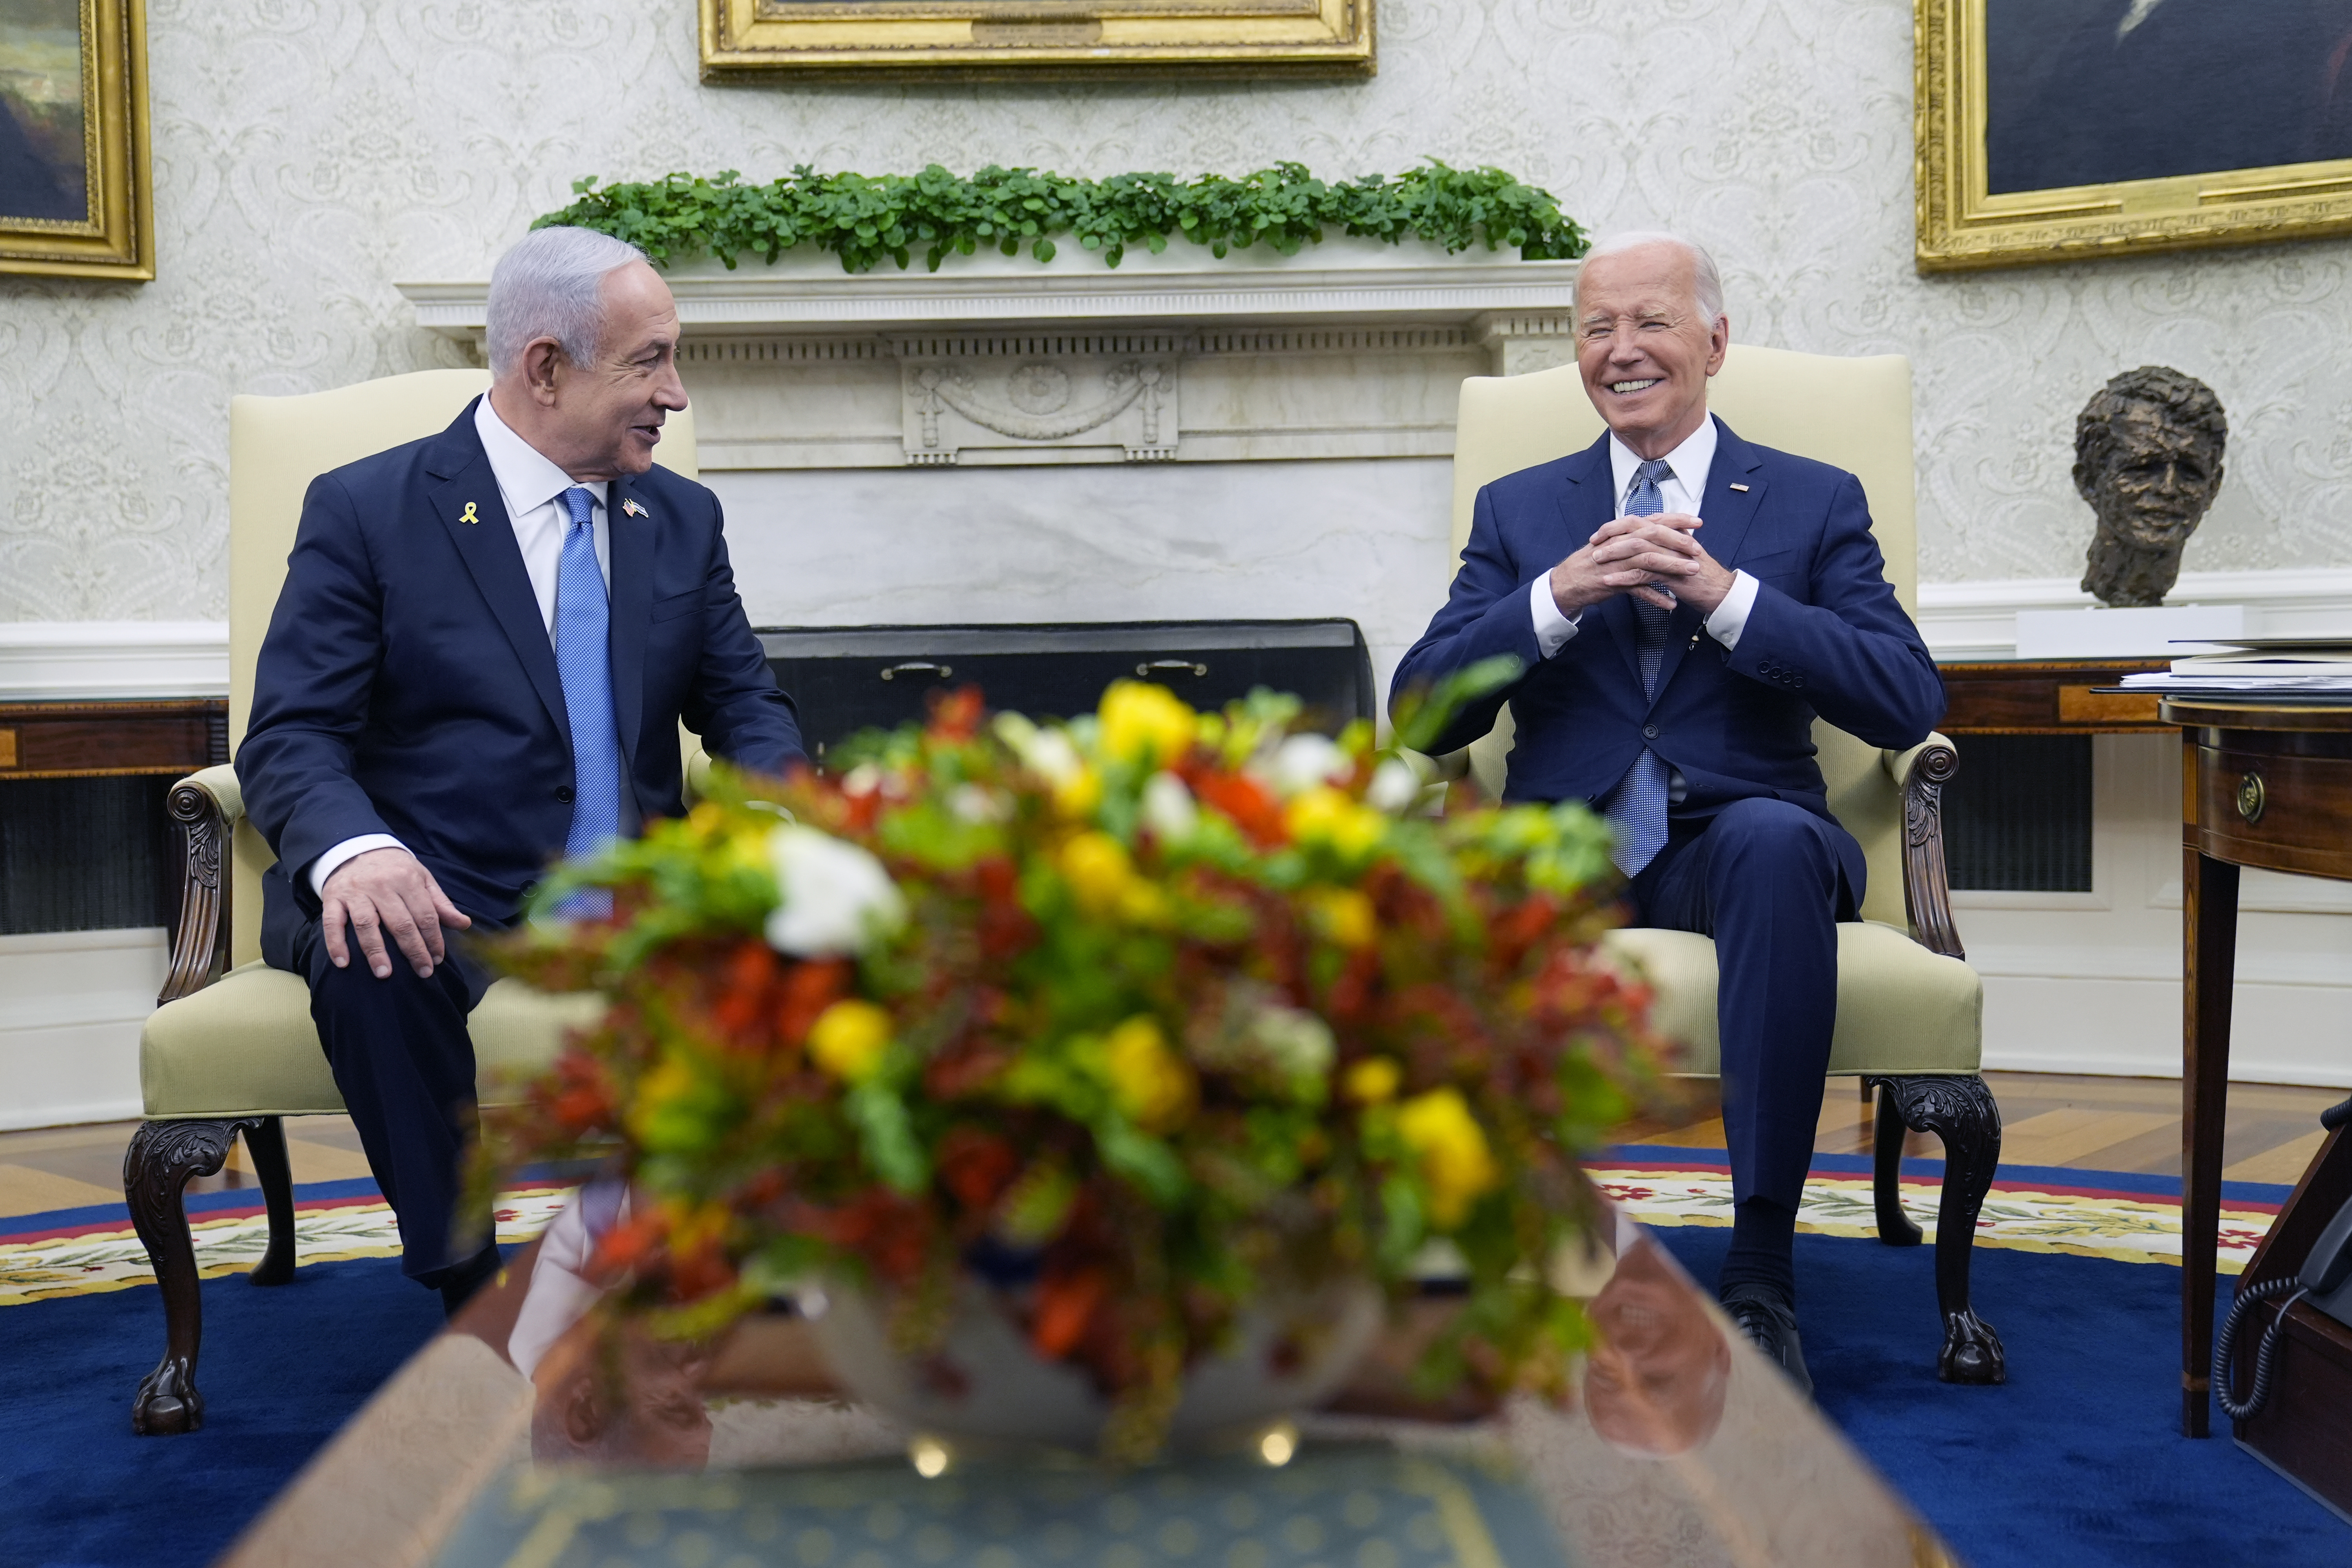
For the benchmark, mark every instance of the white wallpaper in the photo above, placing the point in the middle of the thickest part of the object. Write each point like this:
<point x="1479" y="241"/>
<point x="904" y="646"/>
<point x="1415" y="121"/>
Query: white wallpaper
<point x="307" y="152"/>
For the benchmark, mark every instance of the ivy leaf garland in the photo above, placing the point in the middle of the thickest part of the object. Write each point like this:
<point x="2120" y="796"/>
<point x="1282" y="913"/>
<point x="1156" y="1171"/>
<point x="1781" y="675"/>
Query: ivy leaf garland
<point x="866" y="219"/>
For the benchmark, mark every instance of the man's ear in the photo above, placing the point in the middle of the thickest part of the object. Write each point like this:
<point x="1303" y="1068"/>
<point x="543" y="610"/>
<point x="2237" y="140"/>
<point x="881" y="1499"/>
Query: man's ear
<point x="585" y="1415"/>
<point x="542" y="363"/>
<point x="2086" y="481"/>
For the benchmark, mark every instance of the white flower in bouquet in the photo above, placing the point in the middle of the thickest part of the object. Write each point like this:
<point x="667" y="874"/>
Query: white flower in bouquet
<point x="1048" y="753"/>
<point x="1169" y="809"/>
<point x="837" y="900"/>
<point x="1307" y="762"/>
<point x="1394" y="786"/>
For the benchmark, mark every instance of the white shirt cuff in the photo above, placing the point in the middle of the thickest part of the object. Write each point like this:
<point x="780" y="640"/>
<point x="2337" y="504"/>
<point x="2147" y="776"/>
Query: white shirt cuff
<point x="326" y="865"/>
<point x="1552" y="628"/>
<point x="1730" y="617"/>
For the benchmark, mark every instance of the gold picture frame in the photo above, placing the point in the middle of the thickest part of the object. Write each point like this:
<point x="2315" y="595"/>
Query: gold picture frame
<point x="2056" y="132"/>
<point x="1032" y="39"/>
<point x="75" y="196"/>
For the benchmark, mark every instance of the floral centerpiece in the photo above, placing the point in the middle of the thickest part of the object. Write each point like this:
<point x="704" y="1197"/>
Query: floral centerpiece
<point x="1170" y="1009"/>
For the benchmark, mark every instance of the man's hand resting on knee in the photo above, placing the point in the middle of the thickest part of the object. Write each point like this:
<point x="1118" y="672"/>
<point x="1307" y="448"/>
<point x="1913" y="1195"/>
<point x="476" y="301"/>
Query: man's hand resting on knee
<point x="387" y="891"/>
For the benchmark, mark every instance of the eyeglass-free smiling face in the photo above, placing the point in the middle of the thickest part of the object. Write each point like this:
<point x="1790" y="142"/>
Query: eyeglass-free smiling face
<point x="1645" y="346"/>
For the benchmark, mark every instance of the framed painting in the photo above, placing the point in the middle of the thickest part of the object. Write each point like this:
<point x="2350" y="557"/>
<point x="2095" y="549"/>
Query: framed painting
<point x="74" y="196"/>
<point x="2055" y="130"/>
<point x="1033" y="38"/>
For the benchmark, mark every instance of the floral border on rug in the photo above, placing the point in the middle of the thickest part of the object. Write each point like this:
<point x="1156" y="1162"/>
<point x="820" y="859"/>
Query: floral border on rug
<point x="328" y="1231"/>
<point x="2023" y="1216"/>
<point x="2026" y="1217"/>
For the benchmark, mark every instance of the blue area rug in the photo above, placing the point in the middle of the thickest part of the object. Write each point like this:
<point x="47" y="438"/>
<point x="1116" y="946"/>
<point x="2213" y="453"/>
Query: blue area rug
<point x="2075" y="1462"/>
<point x="282" y="1370"/>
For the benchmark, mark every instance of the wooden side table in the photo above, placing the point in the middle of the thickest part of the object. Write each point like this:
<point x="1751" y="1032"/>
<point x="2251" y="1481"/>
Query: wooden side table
<point x="2269" y="786"/>
<point x="2051" y="697"/>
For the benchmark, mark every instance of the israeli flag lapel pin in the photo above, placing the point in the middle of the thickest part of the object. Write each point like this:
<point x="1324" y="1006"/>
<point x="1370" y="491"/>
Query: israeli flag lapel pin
<point x="631" y="507"/>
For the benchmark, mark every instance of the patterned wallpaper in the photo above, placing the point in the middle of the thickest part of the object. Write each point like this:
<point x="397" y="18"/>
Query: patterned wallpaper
<point x="307" y="152"/>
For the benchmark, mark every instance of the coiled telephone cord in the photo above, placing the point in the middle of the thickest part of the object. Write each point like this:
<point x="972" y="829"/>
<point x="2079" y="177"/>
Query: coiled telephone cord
<point x="2264" y="1354"/>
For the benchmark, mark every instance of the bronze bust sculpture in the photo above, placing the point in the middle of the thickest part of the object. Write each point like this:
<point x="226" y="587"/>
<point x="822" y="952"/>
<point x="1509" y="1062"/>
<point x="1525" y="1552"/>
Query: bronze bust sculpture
<point x="2147" y="457"/>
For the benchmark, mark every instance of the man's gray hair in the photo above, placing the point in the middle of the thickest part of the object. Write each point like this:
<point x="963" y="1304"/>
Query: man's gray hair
<point x="549" y="285"/>
<point x="1709" y="281"/>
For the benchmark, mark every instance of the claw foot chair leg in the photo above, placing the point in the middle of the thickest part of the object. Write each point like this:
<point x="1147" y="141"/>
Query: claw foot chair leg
<point x="163" y="1157"/>
<point x="1960" y="1109"/>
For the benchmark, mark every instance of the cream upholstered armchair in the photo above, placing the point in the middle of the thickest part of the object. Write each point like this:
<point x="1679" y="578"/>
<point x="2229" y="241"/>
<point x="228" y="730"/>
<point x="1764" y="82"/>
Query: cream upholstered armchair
<point x="1910" y="1011"/>
<point x="231" y="1048"/>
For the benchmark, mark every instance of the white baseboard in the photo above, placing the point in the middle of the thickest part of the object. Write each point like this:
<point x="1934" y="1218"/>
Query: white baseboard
<point x="1979" y="620"/>
<point x="106" y="660"/>
<point x="2131" y="1027"/>
<point x="71" y="1005"/>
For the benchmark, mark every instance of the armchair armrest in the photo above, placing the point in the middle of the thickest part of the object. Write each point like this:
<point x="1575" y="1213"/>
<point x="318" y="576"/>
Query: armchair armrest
<point x="1921" y="773"/>
<point x="207" y="806"/>
<point x="697" y="776"/>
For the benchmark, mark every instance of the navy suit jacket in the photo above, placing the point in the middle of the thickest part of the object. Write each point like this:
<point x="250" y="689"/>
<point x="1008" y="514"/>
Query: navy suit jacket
<point x="1826" y="636"/>
<point x="408" y="685"/>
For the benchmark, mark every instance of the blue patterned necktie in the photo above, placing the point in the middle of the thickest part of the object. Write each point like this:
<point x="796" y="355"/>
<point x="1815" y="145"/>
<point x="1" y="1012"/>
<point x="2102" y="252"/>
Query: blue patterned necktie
<point x="1636" y="808"/>
<point x="583" y="618"/>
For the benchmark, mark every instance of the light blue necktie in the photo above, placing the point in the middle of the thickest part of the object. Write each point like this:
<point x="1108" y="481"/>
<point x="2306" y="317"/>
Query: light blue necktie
<point x="584" y="660"/>
<point x="1636" y="808"/>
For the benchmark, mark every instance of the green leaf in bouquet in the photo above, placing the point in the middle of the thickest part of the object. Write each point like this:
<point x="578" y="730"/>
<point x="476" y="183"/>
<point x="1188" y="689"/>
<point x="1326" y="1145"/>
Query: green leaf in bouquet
<point x="1420" y="715"/>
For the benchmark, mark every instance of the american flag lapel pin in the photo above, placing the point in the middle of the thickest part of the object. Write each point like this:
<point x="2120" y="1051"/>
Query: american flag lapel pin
<point x="1741" y="489"/>
<point x="631" y="507"/>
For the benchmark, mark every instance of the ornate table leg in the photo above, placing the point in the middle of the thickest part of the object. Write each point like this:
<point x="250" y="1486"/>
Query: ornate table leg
<point x="2208" y="917"/>
<point x="1960" y="1109"/>
<point x="162" y="1156"/>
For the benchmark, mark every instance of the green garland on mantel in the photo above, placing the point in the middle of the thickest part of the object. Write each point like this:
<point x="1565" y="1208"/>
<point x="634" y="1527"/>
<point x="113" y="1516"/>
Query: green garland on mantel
<point x="865" y="219"/>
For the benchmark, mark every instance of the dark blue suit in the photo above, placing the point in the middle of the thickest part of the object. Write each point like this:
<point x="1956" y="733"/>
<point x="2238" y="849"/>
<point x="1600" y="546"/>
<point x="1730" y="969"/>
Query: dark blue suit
<point x="1753" y="856"/>
<point x="408" y="686"/>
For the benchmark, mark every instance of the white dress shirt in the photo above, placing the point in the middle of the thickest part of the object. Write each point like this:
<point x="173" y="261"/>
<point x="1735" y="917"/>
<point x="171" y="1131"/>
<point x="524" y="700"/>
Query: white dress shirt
<point x="1682" y="491"/>
<point x="532" y="487"/>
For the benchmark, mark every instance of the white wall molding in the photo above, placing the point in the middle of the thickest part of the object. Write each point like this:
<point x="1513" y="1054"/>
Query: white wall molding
<point x="95" y="661"/>
<point x="1979" y="619"/>
<point x="71" y="1005"/>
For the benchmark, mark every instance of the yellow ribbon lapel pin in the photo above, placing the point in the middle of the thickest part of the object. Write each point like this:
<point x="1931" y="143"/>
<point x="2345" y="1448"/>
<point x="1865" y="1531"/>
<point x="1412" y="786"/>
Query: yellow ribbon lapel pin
<point x="468" y="515"/>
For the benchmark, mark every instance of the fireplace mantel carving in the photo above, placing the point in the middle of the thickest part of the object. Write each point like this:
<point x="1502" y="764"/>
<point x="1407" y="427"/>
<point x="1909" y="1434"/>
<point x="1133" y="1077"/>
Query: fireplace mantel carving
<point x="1353" y="349"/>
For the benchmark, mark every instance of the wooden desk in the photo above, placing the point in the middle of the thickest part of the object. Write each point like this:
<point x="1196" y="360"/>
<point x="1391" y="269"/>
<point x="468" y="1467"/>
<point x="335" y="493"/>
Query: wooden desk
<point x="2055" y="697"/>
<point x="2266" y="786"/>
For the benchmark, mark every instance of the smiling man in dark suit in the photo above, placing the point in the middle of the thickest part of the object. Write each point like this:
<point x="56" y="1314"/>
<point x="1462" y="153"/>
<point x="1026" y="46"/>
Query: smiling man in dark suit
<point x="1673" y="669"/>
<point x="479" y="661"/>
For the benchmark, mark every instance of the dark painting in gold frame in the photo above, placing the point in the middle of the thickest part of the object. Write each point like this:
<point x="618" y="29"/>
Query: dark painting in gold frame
<point x="2058" y="129"/>
<point x="74" y="197"/>
<point x="1064" y="39"/>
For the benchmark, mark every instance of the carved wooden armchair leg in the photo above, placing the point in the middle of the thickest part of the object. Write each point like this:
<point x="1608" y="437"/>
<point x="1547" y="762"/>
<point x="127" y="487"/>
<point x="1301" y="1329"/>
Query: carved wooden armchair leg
<point x="1960" y="1109"/>
<point x="163" y="1157"/>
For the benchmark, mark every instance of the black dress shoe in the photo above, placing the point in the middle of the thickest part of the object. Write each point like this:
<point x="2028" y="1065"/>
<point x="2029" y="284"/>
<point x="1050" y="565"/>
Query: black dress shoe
<point x="459" y="1283"/>
<point x="1771" y="1325"/>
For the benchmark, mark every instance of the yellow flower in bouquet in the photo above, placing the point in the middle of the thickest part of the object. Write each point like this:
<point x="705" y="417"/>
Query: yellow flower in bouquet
<point x="1334" y="817"/>
<point x="1103" y="876"/>
<point x="1345" y="915"/>
<point x="848" y="1038"/>
<point x="1374" y="1080"/>
<point x="1154" y="1088"/>
<point x="1140" y="721"/>
<point x="1452" y="1146"/>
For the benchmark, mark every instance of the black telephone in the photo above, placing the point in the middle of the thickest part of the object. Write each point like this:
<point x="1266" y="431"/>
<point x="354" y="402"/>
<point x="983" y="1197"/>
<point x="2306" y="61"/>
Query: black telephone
<point x="2325" y="1281"/>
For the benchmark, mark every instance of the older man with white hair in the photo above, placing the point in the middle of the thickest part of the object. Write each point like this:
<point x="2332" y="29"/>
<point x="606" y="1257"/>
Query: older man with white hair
<point x="1684" y="606"/>
<point x="479" y="662"/>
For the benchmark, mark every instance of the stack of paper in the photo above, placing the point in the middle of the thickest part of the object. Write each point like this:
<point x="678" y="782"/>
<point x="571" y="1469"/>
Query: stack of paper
<point x="2259" y="666"/>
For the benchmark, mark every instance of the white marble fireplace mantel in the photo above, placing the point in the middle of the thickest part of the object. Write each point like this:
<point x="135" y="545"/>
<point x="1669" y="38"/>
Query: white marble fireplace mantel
<point x="1352" y="349"/>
